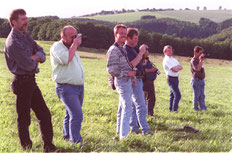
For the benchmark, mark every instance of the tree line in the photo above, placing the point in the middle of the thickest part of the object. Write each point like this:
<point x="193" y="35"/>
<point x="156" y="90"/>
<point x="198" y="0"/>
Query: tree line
<point x="100" y="36"/>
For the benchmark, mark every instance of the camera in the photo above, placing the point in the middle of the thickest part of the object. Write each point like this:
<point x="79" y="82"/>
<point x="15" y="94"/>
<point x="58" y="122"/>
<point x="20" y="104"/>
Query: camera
<point x="83" y="37"/>
<point x="202" y="56"/>
<point x="158" y="72"/>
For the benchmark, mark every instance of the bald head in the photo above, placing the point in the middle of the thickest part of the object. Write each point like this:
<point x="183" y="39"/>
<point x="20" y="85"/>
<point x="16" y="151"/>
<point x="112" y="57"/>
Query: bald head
<point x="66" y="30"/>
<point x="68" y="34"/>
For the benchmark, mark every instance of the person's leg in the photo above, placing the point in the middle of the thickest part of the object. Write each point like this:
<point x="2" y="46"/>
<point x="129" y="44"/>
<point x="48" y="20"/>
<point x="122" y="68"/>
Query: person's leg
<point x="202" y="95"/>
<point x="119" y="115"/>
<point x="134" y="120"/>
<point x="43" y="114"/>
<point x="171" y="96"/>
<point x="71" y="96"/>
<point x="66" y="126"/>
<point x="66" y="117"/>
<point x="196" y="93"/>
<point x="124" y="88"/>
<point x="140" y="106"/>
<point x="174" y="93"/>
<point x="177" y="95"/>
<point x="149" y="93"/>
<point x="23" y="90"/>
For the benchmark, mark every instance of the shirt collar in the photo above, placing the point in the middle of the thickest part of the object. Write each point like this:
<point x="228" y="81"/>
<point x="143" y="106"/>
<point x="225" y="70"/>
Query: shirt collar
<point x="18" y="34"/>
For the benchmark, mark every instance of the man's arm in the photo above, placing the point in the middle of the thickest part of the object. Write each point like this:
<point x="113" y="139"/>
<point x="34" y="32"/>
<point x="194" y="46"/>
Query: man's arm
<point x="153" y="69"/>
<point x="73" y="48"/>
<point x="138" y="58"/>
<point x="38" y="52"/>
<point x="197" y="67"/>
<point x="177" y="68"/>
<point x="21" y="58"/>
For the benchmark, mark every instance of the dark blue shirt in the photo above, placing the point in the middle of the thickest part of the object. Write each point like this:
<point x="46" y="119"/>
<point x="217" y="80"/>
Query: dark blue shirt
<point x="149" y="75"/>
<point x="131" y="53"/>
<point x="18" y="50"/>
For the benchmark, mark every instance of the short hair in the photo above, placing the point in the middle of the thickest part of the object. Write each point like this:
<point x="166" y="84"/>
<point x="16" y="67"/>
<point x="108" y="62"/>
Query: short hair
<point x="118" y="26"/>
<point x="63" y="30"/>
<point x="14" y="15"/>
<point x="165" y="48"/>
<point x="197" y="49"/>
<point x="131" y="32"/>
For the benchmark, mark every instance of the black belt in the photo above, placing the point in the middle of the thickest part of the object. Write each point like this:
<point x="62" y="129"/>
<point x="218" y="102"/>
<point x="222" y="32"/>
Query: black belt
<point x="172" y="76"/>
<point x="63" y="84"/>
<point x="25" y="76"/>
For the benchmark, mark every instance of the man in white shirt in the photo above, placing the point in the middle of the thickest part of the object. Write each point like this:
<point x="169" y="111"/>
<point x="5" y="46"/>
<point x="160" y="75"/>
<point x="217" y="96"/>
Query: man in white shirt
<point x="68" y="73"/>
<point x="172" y="67"/>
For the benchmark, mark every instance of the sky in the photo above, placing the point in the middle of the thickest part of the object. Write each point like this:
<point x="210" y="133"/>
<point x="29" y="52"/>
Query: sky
<point x="70" y="8"/>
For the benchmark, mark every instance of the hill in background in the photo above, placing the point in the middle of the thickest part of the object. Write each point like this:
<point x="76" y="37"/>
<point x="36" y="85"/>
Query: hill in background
<point x="183" y="15"/>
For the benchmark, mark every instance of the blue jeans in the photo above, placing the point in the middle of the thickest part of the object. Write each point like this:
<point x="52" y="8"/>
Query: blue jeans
<point x="198" y="94"/>
<point x="139" y="109"/>
<point x="124" y="88"/>
<point x="72" y="96"/>
<point x="175" y="95"/>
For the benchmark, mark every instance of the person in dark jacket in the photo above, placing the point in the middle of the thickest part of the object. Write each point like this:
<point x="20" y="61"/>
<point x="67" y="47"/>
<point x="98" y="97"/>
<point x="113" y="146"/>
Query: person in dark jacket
<point x="148" y="83"/>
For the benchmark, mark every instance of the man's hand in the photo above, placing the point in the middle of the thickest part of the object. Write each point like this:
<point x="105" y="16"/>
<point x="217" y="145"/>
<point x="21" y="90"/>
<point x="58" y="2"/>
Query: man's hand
<point x="134" y="83"/>
<point x="153" y="69"/>
<point x="131" y="73"/>
<point x="202" y="57"/>
<point x="143" y="49"/>
<point x="35" y="57"/>
<point x="77" y="41"/>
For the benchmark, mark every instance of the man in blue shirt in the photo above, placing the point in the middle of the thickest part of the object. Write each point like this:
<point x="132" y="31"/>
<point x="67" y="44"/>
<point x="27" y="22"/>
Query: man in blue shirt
<point x="139" y="109"/>
<point x="22" y="57"/>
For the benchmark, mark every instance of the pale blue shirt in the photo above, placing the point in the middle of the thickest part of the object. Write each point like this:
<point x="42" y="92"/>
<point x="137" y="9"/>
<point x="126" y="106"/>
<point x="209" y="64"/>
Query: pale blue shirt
<point x="63" y="72"/>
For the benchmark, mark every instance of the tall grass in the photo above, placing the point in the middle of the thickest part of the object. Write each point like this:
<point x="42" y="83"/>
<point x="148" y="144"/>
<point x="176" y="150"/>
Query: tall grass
<point x="100" y="107"/>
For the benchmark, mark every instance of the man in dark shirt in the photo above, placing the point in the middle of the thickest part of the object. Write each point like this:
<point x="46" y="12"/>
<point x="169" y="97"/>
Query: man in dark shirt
<point x="22" y="57"/>
<point x="197" y="82"/>
<point x="139" y="109"/>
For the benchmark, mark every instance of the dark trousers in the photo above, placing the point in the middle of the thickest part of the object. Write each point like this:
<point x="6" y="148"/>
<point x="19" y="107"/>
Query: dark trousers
<point x="149" y="93"/>
<point x="175" y="94"/>
<point x="29" y="97"/>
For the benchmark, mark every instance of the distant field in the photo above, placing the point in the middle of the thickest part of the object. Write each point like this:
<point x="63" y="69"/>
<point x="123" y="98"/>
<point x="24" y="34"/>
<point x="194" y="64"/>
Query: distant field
<point x="184" y="15"/>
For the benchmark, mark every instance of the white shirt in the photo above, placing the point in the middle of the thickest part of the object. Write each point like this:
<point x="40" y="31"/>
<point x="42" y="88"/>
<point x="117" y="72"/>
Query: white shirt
<point x="168" y="63"/>
<point x="64" y="72"/>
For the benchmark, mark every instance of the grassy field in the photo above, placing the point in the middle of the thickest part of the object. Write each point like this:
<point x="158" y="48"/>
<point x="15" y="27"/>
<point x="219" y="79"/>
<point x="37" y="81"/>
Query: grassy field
<point x="100" y="107"/>
<point x="183" y="15"/>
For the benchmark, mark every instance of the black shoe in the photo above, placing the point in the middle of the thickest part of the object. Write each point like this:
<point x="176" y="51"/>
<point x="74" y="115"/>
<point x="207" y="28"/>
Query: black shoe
<point x="148" y="133"/>
<point x="50" y="148"/>
<point x="27" y="146"/>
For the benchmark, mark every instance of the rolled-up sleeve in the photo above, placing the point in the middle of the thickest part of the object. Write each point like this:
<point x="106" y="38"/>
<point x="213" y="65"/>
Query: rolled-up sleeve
<point x="59" y="54"/>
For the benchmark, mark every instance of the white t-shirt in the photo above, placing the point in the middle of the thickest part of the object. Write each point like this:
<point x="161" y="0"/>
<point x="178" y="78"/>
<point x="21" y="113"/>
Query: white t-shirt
<point x="168" y="63"/>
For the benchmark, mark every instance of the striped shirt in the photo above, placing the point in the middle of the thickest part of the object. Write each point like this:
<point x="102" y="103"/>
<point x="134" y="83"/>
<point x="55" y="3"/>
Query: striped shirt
<point x="117" y="64"/>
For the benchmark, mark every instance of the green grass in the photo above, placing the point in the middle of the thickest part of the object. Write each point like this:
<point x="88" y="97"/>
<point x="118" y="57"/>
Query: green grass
<point x="183" y="15"/>
<point x="100" y="108"/>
